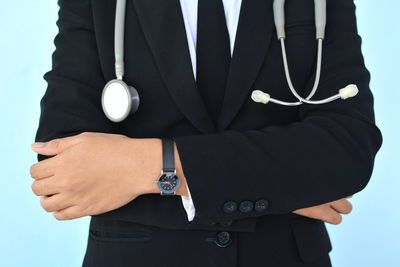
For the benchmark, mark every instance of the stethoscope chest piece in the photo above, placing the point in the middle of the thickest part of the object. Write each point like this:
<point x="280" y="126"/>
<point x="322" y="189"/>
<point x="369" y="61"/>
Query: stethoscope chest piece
<point x="119" y="100"/>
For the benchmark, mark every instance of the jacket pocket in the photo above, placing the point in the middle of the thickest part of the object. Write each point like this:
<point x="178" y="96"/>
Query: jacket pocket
<point x="104" y="236"/>
<point x="108" y="230"/>
<point x="311" y="237"/>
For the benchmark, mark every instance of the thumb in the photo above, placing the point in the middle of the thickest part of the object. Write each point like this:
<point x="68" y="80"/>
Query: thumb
<point x="55" y="146"/>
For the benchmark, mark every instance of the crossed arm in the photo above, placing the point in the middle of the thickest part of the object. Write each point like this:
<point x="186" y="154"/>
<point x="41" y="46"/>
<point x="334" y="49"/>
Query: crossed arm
<point x="92" y="173"/>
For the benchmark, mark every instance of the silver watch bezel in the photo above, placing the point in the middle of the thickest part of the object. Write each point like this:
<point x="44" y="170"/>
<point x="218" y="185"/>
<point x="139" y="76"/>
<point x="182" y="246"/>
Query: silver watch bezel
<point x="162" y="190"/>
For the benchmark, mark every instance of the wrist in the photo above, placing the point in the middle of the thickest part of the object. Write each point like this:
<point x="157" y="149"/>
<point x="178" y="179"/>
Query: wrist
<point x="153" y="164"/>
<point x="151" y="151"/>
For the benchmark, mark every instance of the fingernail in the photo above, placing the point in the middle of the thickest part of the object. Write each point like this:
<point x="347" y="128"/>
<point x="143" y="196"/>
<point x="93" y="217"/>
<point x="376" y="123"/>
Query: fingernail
<point x="37" y="145"/>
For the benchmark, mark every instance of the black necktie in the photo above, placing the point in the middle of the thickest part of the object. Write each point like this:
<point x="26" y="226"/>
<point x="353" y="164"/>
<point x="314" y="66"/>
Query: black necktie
<point x="212" y="54"/>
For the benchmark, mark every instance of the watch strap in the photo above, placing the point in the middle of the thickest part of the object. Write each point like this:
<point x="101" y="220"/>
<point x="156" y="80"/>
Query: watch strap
<point x="168" y="154"/>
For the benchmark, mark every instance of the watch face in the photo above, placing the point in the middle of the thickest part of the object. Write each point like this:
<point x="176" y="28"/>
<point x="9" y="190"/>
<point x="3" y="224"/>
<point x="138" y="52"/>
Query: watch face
<point x="168" y="182"/>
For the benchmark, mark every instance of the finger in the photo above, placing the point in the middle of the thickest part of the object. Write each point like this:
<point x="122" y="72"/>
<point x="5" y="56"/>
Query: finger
<point x="342" y="206"/>
<point x="69" y="213"/>
<point x="315" y="212"/>
<point x="321" y="212"/>
<point x="332" y="216"/>
<point x="46" y="186"/>
<point x="43" y="169"/>
<point x="55" y="202"/>
<point x="57" y="145"/>
<point x="350" y="196"/>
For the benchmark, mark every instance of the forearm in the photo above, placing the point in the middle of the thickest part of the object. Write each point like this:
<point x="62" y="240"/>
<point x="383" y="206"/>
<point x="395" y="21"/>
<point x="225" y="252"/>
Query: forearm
<point x="324" y="155"/>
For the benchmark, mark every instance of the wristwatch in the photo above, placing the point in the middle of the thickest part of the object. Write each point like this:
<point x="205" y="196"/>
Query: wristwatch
<point x="168" y="182"/>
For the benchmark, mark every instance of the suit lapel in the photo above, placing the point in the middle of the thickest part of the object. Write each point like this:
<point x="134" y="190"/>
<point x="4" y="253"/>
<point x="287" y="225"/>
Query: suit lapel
<point x="253" y="37"/>
<point x="164" y="30"/>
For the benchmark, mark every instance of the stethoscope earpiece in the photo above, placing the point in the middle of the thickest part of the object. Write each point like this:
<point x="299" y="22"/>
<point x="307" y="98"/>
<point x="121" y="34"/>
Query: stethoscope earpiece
<point x="119" y="100"/>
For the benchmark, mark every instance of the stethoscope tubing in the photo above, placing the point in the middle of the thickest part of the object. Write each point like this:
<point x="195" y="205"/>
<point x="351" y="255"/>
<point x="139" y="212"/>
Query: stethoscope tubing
<point x="119" y="38"/>
<point x="257" y="95"/>
<point x="320" y="24"/>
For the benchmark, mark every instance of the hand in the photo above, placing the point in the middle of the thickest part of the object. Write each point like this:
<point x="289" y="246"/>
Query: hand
<point x="92" y="173"/>
<point x="329" y="212"/>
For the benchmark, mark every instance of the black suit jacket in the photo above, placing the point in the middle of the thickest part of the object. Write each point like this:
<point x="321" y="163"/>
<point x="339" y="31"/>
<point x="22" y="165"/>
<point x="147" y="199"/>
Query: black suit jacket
<point x="287" y="157"/>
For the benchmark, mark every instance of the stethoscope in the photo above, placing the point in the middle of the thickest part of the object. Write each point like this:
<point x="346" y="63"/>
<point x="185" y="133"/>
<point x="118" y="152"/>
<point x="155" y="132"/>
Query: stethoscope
<point x="120" y="100"/>
<point x="320" y="23"/>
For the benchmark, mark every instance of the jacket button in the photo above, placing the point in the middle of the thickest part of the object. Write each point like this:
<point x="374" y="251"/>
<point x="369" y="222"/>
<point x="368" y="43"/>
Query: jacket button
<point x="230" y="207"/>
<point x="261" y="205"/>
<point x="226" y="223"/>
<point x="246" y="206"/>
<point x="223" y="239"/>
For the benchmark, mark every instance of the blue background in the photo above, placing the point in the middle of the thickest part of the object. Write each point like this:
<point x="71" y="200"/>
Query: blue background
<point x="29" y="236"/>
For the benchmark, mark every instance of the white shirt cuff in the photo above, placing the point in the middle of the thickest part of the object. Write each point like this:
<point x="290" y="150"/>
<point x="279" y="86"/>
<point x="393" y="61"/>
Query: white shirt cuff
<point x="188" y="205"/>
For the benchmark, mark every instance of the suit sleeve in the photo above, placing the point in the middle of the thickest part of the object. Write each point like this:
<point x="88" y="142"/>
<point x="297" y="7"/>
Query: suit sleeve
<point x="326" y="155"/>
<point x="71" y="103"/>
